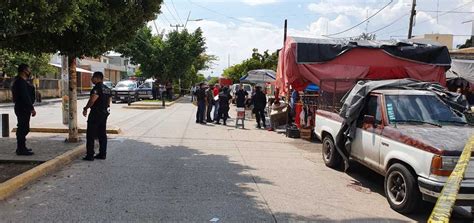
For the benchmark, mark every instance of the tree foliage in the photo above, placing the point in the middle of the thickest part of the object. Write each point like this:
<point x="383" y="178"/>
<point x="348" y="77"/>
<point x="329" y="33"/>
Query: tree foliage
<point x="256" y="61"/>
<point x="365" y="36"/>
<point x="213" y="81"/>
<point x="39" y="64"/>
<point x="76" y="28"/>
<point x="177" y="55"/>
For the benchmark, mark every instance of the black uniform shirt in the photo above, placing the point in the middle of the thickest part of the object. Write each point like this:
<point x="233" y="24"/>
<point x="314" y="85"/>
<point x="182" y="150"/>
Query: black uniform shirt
<point x="23" y="95"/>
<point x="240" y="97"/>
<point x="201" y="94"/>
<point x="100" y="107"/>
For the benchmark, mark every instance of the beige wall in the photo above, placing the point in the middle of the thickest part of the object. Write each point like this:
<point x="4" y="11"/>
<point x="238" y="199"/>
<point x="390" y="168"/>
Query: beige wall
<point x="6" y="94"/>
<point x="444" y="39"/>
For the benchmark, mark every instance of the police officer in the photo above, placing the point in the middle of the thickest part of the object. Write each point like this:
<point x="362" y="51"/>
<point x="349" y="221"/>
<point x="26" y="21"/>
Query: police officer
<point x="99" y="103"/>
<point x="23" y="96"/>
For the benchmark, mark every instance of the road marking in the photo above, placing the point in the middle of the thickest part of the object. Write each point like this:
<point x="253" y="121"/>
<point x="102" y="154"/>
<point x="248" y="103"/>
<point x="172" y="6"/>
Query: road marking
<point x="444" y="205"/>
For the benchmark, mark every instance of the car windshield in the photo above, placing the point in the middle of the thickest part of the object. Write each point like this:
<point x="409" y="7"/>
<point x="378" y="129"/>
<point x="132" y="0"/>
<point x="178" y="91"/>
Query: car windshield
<point x="420" y="109"/>
<point x="248" y="88"/>
<point x="146" y="85"/>
<point x="108" y="84"/>
<point x="126" y="84"/>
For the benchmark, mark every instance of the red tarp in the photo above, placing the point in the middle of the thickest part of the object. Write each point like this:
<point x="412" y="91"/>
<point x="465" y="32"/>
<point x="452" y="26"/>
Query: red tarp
<point x="354" y="64"/>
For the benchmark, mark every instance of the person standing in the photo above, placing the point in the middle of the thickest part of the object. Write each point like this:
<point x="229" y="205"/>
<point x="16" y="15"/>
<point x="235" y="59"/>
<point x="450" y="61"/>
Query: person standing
<point x="224" y="105"/>
<point x="201" y="104"/>
<point x="259" y="100"/>
<point x="209" y="102"/>
<point x="241" y="96"/>
<point x="99" y="103"/>
<point x="216" y="102"/>
<point x="23" y="95"/>
<point x="193" y="90"/>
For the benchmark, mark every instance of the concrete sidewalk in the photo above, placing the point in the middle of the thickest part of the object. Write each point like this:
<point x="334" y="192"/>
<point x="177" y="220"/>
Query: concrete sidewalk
<point x="45" y="147"/>
<point x="43" y="102"/>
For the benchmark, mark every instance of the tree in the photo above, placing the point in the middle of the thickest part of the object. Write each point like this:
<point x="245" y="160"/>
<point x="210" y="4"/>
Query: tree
<point x="39" y="64"/>
<point x="176" y="56"/>
<point x="214" y="80"/>
<point x="88" y="28"/>
<point x="364" y="36"/>
<point x="256" y="61"/>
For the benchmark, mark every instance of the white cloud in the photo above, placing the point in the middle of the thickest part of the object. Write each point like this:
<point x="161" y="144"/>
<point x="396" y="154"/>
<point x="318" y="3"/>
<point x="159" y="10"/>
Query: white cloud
<point x="238" y="38"/>
<point x="259" y="2"/>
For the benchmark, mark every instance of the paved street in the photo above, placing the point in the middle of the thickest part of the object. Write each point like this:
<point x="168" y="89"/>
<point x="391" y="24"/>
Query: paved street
<point x="164" y="167"/>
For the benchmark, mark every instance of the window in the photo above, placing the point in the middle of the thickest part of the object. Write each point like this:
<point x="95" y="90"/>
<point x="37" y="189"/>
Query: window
<point x="371" y="108"/>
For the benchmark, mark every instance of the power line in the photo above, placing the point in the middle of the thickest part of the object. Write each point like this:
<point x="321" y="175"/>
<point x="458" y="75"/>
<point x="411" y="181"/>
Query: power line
<point x="365" y="20"/>
<point x="224" y="15"/>
<point x="166" y="6"/>
<point x="172" y="3"/>
<point x="390" y="24"/>
<point x="427" y="20"/>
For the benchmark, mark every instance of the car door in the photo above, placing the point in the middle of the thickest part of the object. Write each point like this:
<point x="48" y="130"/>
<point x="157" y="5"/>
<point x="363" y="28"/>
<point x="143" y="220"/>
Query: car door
<point x="366" y="144"/>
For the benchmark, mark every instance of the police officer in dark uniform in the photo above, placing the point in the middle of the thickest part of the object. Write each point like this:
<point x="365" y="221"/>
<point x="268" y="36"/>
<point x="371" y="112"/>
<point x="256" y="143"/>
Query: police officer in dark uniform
<point x="23" y="96"/>
<point x="99" y="103"/>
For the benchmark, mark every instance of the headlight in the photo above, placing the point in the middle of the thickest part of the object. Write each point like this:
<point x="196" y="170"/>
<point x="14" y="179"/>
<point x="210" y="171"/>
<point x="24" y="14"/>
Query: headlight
<point x="443" y="165"/>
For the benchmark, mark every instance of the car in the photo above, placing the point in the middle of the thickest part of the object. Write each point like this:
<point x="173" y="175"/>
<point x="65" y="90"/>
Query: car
<point x="125" y="91"/>
<point x="145" y="91"/>
<point x="409" y="136"/>
<point x="109" y="84"/>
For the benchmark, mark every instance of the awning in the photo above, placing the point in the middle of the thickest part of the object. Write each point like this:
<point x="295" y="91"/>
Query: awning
<point x="77" y="68"/>
<point x="259" y="76"/>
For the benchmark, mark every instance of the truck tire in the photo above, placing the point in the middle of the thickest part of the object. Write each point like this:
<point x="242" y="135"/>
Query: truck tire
<point x="401" y="189"/>
<point x="331" y="157"/>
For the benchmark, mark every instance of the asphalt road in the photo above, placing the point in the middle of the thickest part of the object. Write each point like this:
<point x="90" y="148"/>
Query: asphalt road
<point x="167" y="168"/>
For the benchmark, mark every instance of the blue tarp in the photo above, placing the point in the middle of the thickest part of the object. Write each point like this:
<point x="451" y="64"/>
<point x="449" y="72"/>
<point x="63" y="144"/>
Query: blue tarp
<point x="312" y="87"/>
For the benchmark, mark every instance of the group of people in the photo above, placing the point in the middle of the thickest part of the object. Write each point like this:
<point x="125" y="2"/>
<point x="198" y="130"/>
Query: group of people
<point x="218" y="98"/>
<point x="162" y="90"/>
<point x="23" y="95"/>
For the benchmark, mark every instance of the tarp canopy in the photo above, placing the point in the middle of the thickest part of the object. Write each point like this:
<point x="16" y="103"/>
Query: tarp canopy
<point x="463" y="69"/>
<point x="304" y="60"/>
<point x="259" y="76"/>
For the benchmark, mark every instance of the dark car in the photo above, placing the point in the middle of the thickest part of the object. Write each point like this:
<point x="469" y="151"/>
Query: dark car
<point x="145" y="91"/>
<point x="125" y="91"/>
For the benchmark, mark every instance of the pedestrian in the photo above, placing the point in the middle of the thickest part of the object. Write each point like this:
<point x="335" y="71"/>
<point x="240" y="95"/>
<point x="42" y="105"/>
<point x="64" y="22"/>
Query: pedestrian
<point x="259" y="100"/>
<point x="23" y="95"/>
<point x="193" y="90"/>
<point x="241" y="96"/>
<point x="224" y="105"/>
<point x="99" y="103"/>
<point x="201" y="104"/>
<point x="210" y="102"/>
<point x="216" y="102"/>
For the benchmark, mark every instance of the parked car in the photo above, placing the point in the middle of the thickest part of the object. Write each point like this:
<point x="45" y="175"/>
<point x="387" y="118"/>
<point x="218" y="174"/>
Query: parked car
<point x="125" y="91"/>
<point x="145" y="91"/>
<point x="411" y="137"/>
<point x="235" y="87"/>
<point x="109" y="84"/>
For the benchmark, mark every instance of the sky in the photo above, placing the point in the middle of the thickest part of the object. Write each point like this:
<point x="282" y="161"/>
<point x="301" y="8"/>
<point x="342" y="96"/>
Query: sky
<point x="233" y="28"/>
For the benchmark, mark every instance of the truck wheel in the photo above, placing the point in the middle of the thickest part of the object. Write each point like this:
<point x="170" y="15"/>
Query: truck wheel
<point x="401" y="189"/>
<point x="331" y="157"/>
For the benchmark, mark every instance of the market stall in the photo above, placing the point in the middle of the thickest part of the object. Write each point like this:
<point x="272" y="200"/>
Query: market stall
<point x="335" y="65"/>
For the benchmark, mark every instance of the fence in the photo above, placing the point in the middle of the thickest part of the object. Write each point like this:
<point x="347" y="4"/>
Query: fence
<point x="332" y="91"/>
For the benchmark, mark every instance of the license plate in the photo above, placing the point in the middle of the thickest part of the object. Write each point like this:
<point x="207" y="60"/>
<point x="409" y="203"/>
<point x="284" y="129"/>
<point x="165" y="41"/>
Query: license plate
<point x="122" y="97"/>
<point x="143" y="92"/>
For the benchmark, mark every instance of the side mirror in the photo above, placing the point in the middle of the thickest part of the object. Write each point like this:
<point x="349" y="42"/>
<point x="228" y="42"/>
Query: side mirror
<point x="369" y="119"/>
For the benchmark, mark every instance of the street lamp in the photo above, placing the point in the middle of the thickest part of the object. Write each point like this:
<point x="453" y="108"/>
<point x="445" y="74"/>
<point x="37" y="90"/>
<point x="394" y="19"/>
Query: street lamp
<point x="191" y="20"/>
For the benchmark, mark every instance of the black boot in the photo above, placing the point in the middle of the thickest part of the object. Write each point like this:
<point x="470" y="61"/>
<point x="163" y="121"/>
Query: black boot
<point x="88" y="158"/>
<point x="100" y="156"/>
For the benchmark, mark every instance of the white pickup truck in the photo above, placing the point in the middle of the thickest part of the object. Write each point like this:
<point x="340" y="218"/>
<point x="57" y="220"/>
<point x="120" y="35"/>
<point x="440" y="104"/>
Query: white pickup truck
<point x="411" y="137"/>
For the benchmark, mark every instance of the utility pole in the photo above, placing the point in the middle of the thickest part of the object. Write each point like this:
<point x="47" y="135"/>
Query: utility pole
<point x="64" y="88"/>
<point x="177" y="26"/>
<point x="412" y="17"/>
<point x="228" y="60"/>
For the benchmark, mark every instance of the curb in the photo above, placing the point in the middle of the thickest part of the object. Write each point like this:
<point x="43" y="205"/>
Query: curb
<point x="150" y="106"/>
<point x="11" y="186"/>
<point x="113" y="131"/>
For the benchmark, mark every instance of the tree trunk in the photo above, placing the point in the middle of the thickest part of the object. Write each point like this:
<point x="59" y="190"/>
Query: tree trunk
<point x="73" y="132"/>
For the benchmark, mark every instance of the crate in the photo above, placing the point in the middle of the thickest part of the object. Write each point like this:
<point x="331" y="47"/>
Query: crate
<point x="305" y="133"/>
